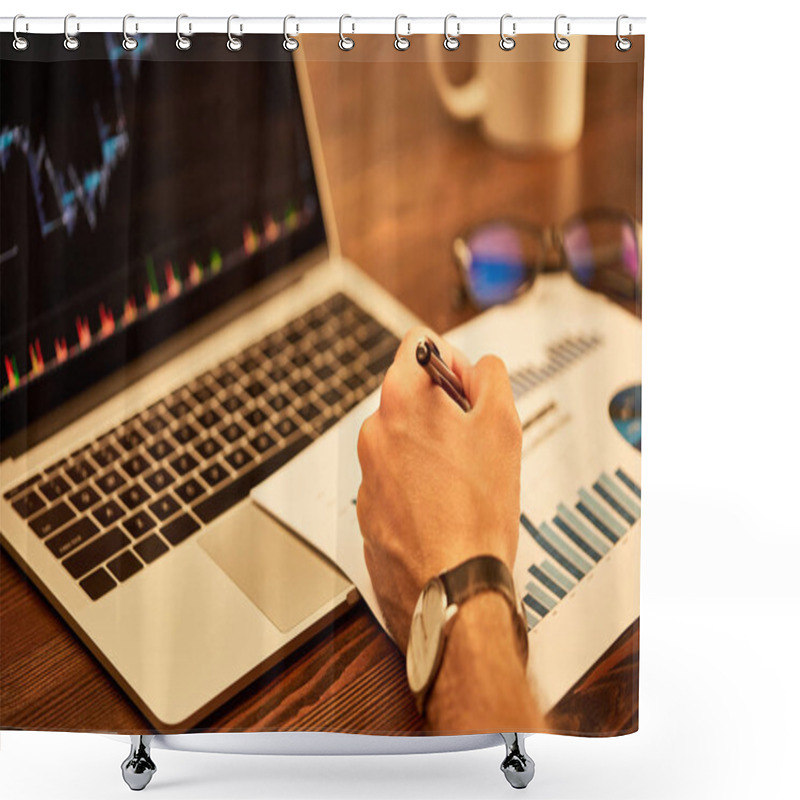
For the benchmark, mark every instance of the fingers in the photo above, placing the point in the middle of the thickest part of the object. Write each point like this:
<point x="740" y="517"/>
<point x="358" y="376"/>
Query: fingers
<point x="489" y="389"/>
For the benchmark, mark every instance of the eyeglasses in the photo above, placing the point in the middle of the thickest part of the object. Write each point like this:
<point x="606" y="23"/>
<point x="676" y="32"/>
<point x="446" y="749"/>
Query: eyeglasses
<point x="499" y="260"/>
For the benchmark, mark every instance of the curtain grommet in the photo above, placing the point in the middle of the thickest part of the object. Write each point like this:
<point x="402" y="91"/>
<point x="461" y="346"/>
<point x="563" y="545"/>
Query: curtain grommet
<point x="20" y="43"/>
<point x="290" y="44"/>
<point x="451" y="42"/>
<point x="622" y="44"/>
<point x="561" y="43"/>
<point x="401" y="43"/>
<point x="234" y="43"/>
<point x="183" y="43"/>
<point x="507" y="42"/>
<point x="346" y="43"/>
<point x="71" y="43"/>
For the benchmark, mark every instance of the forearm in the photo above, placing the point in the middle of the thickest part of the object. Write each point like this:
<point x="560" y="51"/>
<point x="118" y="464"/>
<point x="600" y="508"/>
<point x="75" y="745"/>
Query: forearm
<point x="481" y="685"/>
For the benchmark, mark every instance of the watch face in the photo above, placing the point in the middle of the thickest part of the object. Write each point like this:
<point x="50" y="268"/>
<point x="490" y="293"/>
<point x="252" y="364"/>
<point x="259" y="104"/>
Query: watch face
<point x="425" y="637"/>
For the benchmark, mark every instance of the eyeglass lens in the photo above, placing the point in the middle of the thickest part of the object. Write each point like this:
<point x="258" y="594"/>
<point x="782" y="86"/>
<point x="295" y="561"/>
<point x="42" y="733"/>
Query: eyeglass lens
<point x="499" y="260"/>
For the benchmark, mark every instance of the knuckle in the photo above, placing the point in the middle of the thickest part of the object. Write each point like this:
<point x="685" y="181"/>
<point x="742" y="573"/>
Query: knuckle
<point x="364" y="440"/>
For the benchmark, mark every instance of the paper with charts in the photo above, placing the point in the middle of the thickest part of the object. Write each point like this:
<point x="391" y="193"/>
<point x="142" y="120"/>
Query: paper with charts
<point x="575" y="364"/>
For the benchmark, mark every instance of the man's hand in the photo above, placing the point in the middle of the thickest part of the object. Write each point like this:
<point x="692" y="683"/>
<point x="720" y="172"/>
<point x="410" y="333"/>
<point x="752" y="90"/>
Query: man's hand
<point x="438" y="485"/>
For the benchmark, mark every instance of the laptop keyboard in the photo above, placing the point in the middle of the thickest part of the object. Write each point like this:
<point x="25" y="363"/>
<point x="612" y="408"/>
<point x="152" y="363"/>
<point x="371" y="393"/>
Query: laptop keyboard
<point x="122" y="501"/>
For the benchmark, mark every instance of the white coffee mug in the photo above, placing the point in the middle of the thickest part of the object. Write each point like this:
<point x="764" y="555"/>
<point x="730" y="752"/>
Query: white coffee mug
<point x="522" y="106"/>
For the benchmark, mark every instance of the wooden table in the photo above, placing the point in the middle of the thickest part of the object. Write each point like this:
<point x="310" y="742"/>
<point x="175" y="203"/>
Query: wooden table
<point x="404" y="179"/>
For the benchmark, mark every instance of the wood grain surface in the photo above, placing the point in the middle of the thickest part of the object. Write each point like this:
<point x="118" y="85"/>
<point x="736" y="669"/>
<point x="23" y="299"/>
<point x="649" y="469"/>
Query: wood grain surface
<point x="404" y="178"/>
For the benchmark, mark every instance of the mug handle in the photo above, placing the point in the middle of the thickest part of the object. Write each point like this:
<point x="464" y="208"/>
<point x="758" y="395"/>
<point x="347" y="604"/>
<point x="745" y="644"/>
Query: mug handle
<point x="464" y="102"/>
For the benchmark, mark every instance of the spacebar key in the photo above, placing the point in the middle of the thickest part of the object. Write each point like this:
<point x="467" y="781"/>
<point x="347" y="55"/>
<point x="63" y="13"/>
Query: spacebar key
<point x="229" y="495"/>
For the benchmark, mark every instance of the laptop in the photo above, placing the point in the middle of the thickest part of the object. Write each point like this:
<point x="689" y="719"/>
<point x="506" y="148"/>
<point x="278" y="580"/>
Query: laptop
<point x="177" y="324"/>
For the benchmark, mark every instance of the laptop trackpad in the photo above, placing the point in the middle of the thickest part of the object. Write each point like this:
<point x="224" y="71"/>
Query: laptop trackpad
<point x="281" y="574"/>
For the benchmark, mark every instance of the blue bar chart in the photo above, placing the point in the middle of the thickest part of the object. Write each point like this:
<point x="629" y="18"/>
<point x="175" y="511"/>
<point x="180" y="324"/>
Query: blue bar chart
<point x="561" y="355"/>
<point x="576" y="538"/>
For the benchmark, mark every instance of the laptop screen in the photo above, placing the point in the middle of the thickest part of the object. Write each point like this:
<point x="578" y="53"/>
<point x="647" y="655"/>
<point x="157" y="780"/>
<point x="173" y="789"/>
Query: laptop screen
<point x="138" y="191"/>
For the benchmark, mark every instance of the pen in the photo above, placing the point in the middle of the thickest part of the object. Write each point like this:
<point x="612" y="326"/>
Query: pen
<point x="429" y="358"/>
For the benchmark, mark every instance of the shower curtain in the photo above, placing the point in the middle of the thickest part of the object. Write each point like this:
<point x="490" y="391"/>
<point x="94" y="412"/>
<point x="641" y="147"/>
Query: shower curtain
<point x="321" y="383"/>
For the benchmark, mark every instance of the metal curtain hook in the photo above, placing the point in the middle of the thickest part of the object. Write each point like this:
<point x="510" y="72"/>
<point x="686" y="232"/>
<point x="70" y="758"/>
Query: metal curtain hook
<point x="234" y="43"/>
<point x="400" y="42"/>
<point x="507" y="42"/>
<point x="70" y="42"/>
<point x="561" y="44"/>
<point x="289" y="42"/>
<point x="182" y="42"/>
<point x="623" y="44"/>
<point x="20" y="42"/>
<point x="345" y="42"/>
<point x="451" y="42"/>
<point x="128" y="42"/>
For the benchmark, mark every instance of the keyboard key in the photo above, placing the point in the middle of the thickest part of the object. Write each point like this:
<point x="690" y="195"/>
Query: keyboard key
<point x="379" y="364"/>
<point x="80" y="472"/>
<point x="165" y="507"/>
<point x="84" y="498"/>
<point x="232" y="432"/>
<point x="332" y="396"/>
<point x="184" y="463"/>
<point x="255" y="388"/>
<point x="108" y="513"/>
<point x="98" y="584"/>
<point x="73" y="537"/>
<point x="28" y="504"/>
<point x="301" y="387"/>
<point x="223" y="499"/>
<point x="277" y="373"/>
<point x="201" y="393"/>
<point x="248" y="364"/>
<point x="54" y="488"/>
<point x="110" y="481"/>
<point x="105" y="455"/>
<point x="150" y="549"/>
<point x="160" y="449"/>
<point x="255" y="417"/>
<point x="124" y="565"/>
<point x="238" y="458"/>
<point x="136" y="465"/>
<point x="354" y="381"/>
<point x="51" y="520"/>
<point x="159" y="480"/>
<point x="279" y="402"/>
<point x="178" y="408"/>
<point x="286" y="427"/>
<point x="208" y="447"/>
<point x="232" y="403"/>
<point x="324" y="372"/>
<point x="190" y="491"/>
<point x="225" y="378"/>
<point x="209" y="418"/>
<point x="179" y="529"/>
<point x="301" y="359"/>
<point x="308" y="412"/>
<point x="139" y="524"/>
<point x="96" y="552"/>
<point x="215" y="474"/>
<point x="154" y="424"/>
<point x="20" y="488"/>
<point x="348" y="357"/>
<point x="185" y="434"/>
<point x="134" y="496"/>
<point x="262" y="442"/>
<point x="53" y="467"/>
<point x="130" y="438"/>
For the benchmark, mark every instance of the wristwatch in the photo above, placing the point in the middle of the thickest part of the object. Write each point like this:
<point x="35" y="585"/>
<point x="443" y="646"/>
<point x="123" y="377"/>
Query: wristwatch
<point x="437" y="606"/>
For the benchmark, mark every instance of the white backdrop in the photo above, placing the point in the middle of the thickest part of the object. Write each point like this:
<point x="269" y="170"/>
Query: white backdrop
<point x="720" y="604"/>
